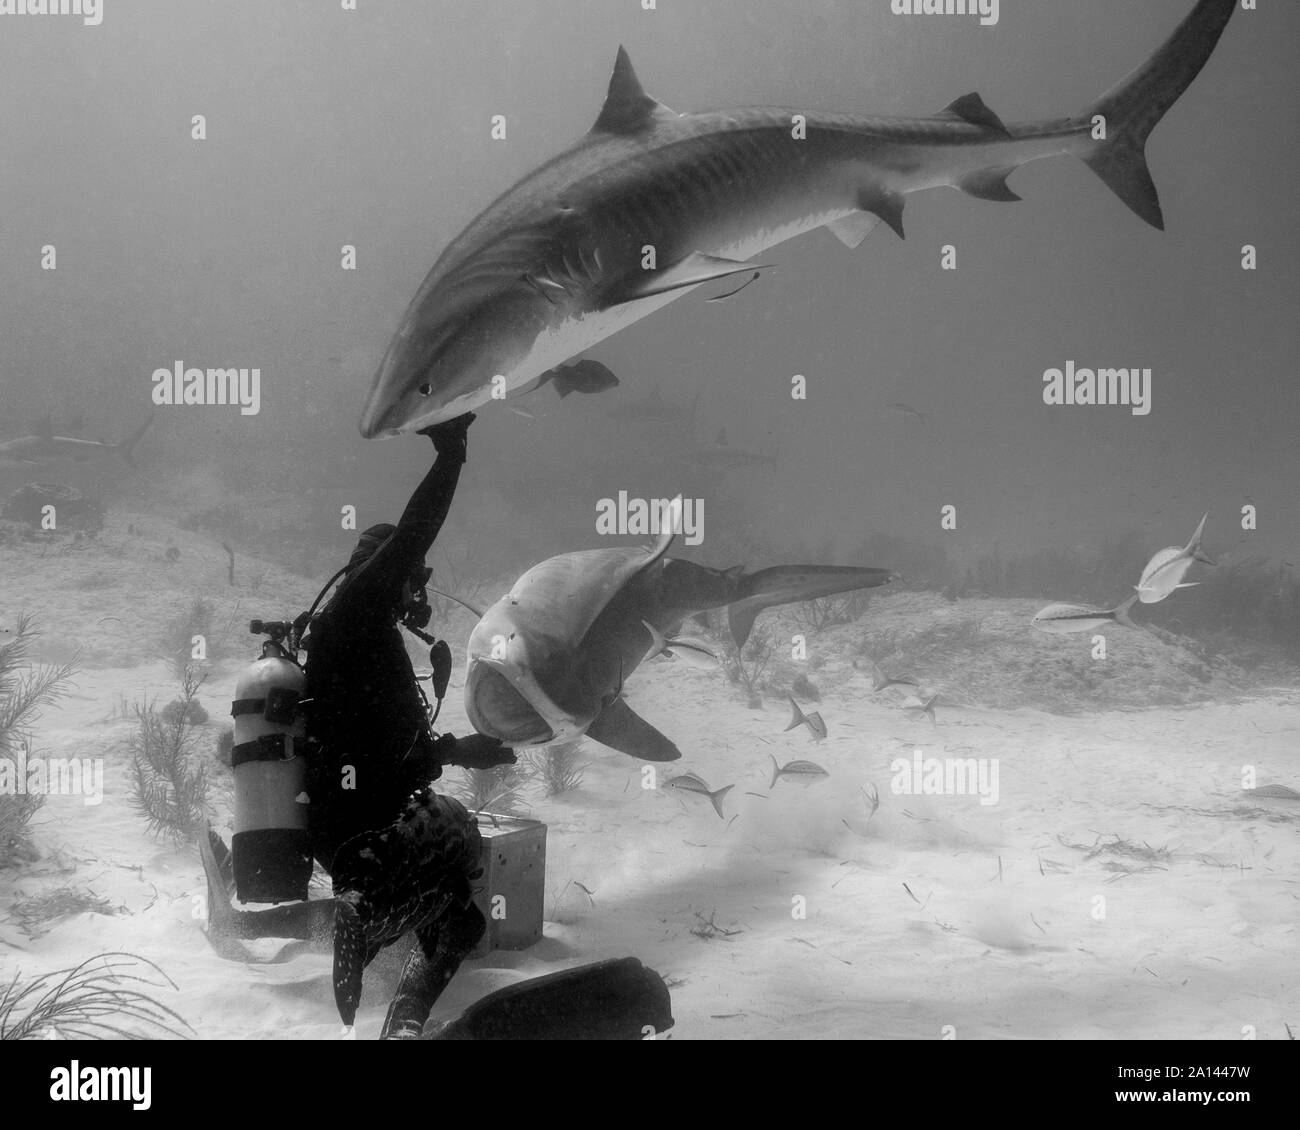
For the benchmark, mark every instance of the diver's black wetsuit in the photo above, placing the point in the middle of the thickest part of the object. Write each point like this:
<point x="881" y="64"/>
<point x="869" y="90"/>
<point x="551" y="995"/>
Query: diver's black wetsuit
<point x="402" y="857"/>
<point x="367" y="711"/>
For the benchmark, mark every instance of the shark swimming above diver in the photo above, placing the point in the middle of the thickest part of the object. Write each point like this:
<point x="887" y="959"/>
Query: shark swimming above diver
<point x="651" y="204"/>
<point x="550" y="659"/>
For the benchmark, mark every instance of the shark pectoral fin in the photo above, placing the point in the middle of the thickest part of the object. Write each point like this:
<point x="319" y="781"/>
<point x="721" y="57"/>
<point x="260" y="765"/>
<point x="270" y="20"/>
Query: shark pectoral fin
<point x="971" y="108"/>
<point x="990" y="184"/>
<point x="696" y="268"/>
<point x="620" y="727"/>
<point x="852" y="229"/>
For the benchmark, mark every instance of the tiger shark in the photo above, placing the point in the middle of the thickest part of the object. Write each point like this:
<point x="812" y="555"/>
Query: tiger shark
<point x="651" y="204"/>
<point x="549" y="660"/>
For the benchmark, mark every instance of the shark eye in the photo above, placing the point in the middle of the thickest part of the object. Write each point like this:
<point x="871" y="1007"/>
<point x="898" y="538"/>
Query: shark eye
<point x="425" y="389"/>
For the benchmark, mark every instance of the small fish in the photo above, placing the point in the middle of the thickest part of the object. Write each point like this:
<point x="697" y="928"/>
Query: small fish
<point x="813" y="720"/>
<point x="1062" y="619"/>
<point x="692" y="783"/>
<point x="801" y="772"/>
<point x="692" y="652"/>
<point x="926" y="707"/>
<point x="880" y="681"/>
<point x="1165" y="571"/>
<point x="906" y="410"/>
<point x="587" y="377"/>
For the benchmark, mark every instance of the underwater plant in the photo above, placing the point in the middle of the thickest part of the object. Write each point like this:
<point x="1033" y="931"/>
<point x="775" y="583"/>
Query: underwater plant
<point x="827" y="612"/>
<point x="746" y="665"/>
<point x="169" y="784"/>
<point x="176" y="643"/>
<point x="494" y="790"/>
<point x="96" y="1000"/>
<point x="24" y="689"/>
<point x="557" y="767"/>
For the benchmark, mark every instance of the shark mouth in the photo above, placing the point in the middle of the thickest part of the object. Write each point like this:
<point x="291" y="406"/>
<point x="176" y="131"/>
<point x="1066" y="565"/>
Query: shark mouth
<point x="498" y="710"/>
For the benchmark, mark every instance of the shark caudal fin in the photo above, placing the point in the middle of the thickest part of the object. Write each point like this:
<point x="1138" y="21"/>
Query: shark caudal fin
<point x="793" y="584"/>
<point x="1133" y="108"/>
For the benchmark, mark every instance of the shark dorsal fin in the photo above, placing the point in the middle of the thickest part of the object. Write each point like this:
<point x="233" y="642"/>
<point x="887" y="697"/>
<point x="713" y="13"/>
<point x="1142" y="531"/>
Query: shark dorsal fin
<point x="628" y="108"/>
<point x="970" y="108"/>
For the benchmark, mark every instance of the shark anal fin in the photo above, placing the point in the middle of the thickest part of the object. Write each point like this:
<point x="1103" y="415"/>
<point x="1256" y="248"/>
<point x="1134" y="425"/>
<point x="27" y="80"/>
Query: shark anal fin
<point x="852" y="229"/>
<point x="695" y="269"/>
<point x="620" y="727"/>
<point x="885" y="204"/>
<point x="989" y="184"/>
<point x="971" y="108"/>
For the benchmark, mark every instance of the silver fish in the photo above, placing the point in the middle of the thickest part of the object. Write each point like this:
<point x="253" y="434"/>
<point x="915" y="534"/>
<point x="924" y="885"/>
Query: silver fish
<point x="1165" y="571"/>
<point x="692" y="652"/>
<point x="560" y="261"/>
<point x="920" y="706"/>
<point x="880" y="681"/>
<point x="813" y="720"/>
<point x="691" y="783"/>
<point x="1065" y="619"/>
<point x="802" y="772"/>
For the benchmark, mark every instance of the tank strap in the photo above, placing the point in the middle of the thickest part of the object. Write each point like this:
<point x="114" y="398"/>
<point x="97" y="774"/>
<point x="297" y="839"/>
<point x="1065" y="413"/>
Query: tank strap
<point x="269" y="747"/>
<point x="247" y="706"/>
<point x="281" y="705"/>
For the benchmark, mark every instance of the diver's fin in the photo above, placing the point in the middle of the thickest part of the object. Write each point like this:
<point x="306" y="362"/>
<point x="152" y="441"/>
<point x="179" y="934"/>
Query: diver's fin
<point x="971" y="108"/>
<point x="620" y="727"/>
<point x="792" y="584"/>
<point x="852" y="229"/>
<point x="618" y="999"/>
<point x="628" y="108"/>
<point x="695" y="269"/>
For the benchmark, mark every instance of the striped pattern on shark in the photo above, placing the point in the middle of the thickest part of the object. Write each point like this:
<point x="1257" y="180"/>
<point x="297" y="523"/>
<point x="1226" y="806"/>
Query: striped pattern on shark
<point x="559" y="262"/>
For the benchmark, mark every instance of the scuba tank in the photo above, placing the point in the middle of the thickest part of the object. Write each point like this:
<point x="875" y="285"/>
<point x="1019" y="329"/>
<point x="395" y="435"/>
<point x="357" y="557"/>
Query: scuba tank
<point x="271" y="852"/>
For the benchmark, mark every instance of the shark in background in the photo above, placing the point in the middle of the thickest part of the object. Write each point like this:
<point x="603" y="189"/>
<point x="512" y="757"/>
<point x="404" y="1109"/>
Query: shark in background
<point x="550" y="659"/>
<point x="46" y="448"/>
<point x="559" y="262"/>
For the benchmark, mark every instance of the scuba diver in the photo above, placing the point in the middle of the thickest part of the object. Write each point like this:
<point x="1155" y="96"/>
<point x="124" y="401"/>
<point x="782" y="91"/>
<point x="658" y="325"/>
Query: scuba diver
<point x="401" y="857"/>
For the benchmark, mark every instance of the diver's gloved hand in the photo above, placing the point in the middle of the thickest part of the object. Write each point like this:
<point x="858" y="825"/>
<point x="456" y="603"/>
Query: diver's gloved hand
<point x="449" y="436"/>
<point x="474" y="751"/>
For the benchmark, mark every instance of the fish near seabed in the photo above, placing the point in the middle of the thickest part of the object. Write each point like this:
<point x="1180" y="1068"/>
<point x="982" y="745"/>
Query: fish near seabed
<point x="801" y="772"/>
<point x="1065" y="619"/>
<point x="549" y="659"/>
<point x="813" y="720"/>
<point x="557" y="263"/>
<point x="1165" y="571"/>
<point x="693" y="783"/>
